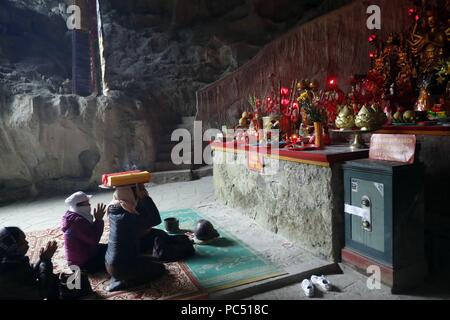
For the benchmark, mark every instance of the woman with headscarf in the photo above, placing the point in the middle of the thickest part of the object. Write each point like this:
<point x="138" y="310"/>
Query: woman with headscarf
<point x="123" y="259"/>
<point x="18" y="278"/>
<point x="82" y="233"/>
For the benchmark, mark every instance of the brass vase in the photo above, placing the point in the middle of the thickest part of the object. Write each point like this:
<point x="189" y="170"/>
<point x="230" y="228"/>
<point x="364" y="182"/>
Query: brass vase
<point x="318" y="131"/>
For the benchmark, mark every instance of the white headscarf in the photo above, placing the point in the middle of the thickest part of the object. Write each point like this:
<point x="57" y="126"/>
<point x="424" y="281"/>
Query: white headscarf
<point x="124" y="197"/>
<point x="83" y="211"/>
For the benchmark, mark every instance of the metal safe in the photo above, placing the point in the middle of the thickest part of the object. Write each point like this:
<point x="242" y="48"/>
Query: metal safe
<point x="384" y="213"/>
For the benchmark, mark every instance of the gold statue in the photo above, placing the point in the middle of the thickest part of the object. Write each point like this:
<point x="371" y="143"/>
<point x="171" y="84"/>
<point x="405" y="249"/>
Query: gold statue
<point x="424" y="101"/>
<point x="428" y="47"/>
<point x="447" y="13"/>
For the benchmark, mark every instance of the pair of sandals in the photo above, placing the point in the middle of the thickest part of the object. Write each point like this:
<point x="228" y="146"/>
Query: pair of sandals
<point x="322" y="282"/>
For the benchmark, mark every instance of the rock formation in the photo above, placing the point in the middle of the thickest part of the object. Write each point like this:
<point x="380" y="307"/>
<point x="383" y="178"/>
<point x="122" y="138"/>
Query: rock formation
<point x="158" y="54"/>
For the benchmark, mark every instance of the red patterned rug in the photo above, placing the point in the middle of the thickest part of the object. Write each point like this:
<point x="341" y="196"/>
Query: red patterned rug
<point x="177" y="284"/>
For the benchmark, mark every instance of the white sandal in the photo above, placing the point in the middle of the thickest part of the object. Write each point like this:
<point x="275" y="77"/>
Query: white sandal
<point x="322" y="282"/>
<point x="308" y="288"/>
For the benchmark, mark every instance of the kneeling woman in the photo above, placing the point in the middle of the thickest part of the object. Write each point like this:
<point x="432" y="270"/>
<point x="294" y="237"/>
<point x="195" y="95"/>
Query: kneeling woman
<point x="124" y="262"/>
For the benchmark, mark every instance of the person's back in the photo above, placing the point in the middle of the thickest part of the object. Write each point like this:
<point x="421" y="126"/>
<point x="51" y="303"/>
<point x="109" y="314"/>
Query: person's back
<point x="123" y="261"/>
<point x="148" y="214"/>
<point x="123" y="244"/>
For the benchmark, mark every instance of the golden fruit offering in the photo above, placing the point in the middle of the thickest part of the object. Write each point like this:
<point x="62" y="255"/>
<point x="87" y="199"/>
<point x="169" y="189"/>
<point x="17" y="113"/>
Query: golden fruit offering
<point x="409" y="116"/>
<point x="366" y="119"/>
<point x="398" y="117"/>
<point x="245" y="114"/>
<point x="243" y="122"/>
<point x="345" y="118"/>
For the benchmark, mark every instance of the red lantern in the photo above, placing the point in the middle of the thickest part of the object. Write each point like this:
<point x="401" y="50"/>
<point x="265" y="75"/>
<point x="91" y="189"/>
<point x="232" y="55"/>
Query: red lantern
<point x="295" y="105"/>
<point x="412" y="11"/>
<point x="284" y="91"/>
<point x="372" y="38"/>
<point x="284" y="102"/>
<point x="331" y="83"/>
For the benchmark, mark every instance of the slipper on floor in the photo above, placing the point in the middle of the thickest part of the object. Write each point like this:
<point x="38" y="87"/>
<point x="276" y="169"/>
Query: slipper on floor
<point x="322" y="282"/>
<point x="308" y="288"/>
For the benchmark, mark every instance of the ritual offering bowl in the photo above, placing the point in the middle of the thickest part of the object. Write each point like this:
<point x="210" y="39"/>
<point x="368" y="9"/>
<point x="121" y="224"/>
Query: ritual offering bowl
<point x="172" y="225"/>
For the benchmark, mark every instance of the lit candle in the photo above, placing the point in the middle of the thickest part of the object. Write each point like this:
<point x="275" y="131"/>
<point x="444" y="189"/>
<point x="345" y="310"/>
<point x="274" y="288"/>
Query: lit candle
<point x="294" y="139"/>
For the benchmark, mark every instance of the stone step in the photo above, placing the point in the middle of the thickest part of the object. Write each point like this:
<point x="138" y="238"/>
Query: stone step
<point x="166" y="138"/>
<point x="187" y="126"/>
<point x="201" y="172"/>
<point x="294" y="274"/>
<point x="168" y="165"/>
<point x="188" y="120"/>
<point x="171" y="176"/>
<point x="163" y="156"/>
<point x="167" y="156"/>
<point x="167" y="147"/>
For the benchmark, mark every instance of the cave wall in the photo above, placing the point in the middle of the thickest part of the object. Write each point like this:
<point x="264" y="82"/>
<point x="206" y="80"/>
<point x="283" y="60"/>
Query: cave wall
<point x="163" y="51"/>
<point x="158" y="54"/>
<point x="333" y="45"/>
<point x="60" y="143"/>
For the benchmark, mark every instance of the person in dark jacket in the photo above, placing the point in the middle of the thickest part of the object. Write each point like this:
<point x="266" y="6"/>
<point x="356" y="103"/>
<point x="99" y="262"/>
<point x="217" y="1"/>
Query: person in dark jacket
<point x="82" y="233"/>
<point x="18" y="278"/>
<point x="124" y="262"/>
<point x="147" y="219"/>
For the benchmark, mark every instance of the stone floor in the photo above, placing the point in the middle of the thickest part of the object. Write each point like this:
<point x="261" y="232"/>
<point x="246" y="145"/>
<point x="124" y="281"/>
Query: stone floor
<point x="46" y="213"/>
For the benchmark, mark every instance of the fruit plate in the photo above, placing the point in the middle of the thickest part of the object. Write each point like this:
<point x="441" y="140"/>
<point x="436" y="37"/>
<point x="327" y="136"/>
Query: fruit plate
<point x="403" y="124"/>
<point x="427" y="123"/>
<point x="306" y="147"/>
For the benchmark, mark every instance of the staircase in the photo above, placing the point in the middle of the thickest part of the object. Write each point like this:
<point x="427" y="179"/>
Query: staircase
<point x="165" y="170"/>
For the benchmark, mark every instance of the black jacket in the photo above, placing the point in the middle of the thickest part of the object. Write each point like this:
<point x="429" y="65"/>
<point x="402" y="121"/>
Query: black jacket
<point x="123" y="244"/>
<point x="148" y="214"/>
<point x="21" y="280"/>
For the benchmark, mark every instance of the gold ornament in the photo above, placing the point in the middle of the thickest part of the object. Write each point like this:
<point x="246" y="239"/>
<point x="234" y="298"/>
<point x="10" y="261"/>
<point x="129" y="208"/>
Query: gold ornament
<point x="368" y="119"/>
<point x="345" y="118"/>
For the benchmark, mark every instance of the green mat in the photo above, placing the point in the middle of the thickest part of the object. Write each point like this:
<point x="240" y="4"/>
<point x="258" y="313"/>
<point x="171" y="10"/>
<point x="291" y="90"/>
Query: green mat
<point x="225" y="263"/>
